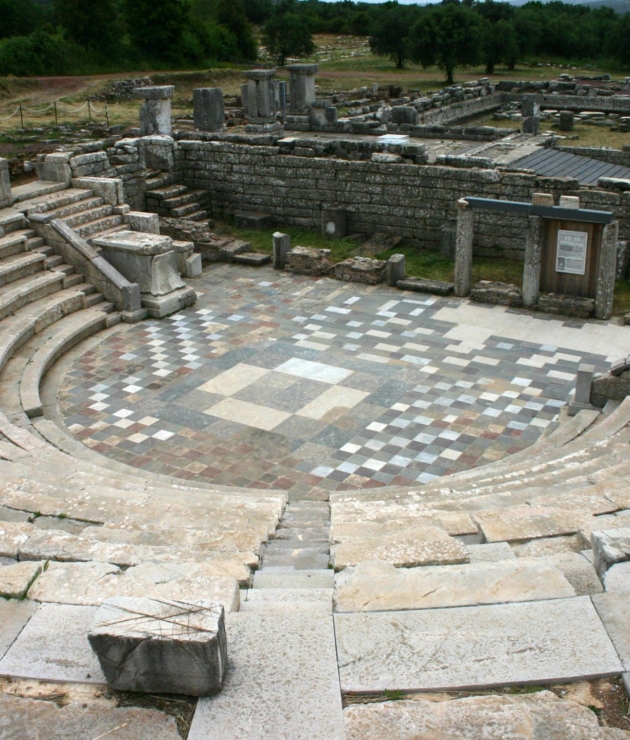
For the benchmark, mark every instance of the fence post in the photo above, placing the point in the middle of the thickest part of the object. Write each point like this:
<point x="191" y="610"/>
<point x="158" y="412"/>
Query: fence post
<point x="22" y="116"/>
<point x="89" y="111"/>
<point x="56" y="117"/>
<point x="107" y="115"/>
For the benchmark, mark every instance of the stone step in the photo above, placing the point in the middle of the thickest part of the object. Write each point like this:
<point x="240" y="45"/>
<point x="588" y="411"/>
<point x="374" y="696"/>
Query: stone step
<point x="75" y="207"/>
<point x="19" y="293"/>
<point x="290" y="578"/>
<point x="189" y="196"/>
<point x="268" y="654"/>
<point x="541" y="714"/>
<point x="98" y="226"/>
<point x="65" y="269"/>
<point x="45" y="203"/>
<point x="36" y="189"/>
<point x="13" y="243"/>
<point x="200" y="215"/>
<point x="37" y="243"/>
<point x="107" y="307"/>
<point x="164" y="193"/>
<point x="34" y="318"/>
<point x="53" y="261"/>
<point x="302" y="559"/>
<point x="377" y="586"/>
<point x="20" y="266"/>
<point x="72" y="280"/>
<point x="185" y="211"/>
<point x="253" y="259"/>
<point x="93" y="300"/>
<point x="464" y="648"/>
<point x="298" y="535"/>
<point x="105" y="233"/>
<point x="288" y="545"/>
<point x="88" y="216"/>
<point x="11" y="220"/>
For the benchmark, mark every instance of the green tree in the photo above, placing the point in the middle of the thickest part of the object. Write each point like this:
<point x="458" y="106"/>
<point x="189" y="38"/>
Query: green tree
<point x="617" y="46"/>
<point x="231" y="15"/>
<point x="156" y="27"/>
<point x="447" y="35"/>
<point x="287" y="33"/>
<point x="91" y="23"/>
<point x="500" y="44"/>
<point x="389" y="36"/>
<point x="19" y="17"/>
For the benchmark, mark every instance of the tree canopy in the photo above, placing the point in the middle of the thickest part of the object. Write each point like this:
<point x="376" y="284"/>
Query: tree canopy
<point x="287" y="33"/>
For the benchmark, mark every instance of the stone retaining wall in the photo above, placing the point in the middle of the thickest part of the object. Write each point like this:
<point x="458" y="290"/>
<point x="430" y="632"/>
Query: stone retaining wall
<point x="612" y="104"/>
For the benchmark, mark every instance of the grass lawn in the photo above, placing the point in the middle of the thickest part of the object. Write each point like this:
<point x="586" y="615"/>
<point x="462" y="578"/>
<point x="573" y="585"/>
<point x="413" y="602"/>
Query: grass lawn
<point x="418" y="262"/>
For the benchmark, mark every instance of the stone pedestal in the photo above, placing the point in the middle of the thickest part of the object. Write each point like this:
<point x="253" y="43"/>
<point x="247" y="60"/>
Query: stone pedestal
<point x="160" y="646"/>
<point x="155" y="114"/>
<point x="151" y="261"/>
<point x="395" y="269"/>
<point x="582" y="398"/>
<point x="566" y="120"/>
<point x="334" y="222"/>
<point x="208" y="109"/>
<point x="405" y="114"/>
<point x="463" y="249"/>
<point x="323" y="114"/>
<point x="301" y="86"/>
<point x="5" y="184"/>
<point x="259" y="101"/>
<point x="281" y="247"/>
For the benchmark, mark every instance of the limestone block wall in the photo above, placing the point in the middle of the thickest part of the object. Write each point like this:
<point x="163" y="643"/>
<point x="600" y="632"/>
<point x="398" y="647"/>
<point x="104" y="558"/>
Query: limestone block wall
<point x="415" y="201"/>
<point x="462" y="110"/>
<point x="610" y="104"/>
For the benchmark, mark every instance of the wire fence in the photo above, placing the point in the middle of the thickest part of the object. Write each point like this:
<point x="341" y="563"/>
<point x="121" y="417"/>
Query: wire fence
<point x="58" y="110"/>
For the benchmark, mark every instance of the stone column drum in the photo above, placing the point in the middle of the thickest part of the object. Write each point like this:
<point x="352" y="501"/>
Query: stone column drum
<point x="155" y="114"/>
<point x="209" y="111"/>
<point x="301" y="86"/>
<point x="5" y="184"/>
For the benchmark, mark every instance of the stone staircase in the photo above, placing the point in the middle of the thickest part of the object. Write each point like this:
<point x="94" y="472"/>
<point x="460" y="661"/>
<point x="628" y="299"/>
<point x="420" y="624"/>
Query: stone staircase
<point x="166" y="197"/>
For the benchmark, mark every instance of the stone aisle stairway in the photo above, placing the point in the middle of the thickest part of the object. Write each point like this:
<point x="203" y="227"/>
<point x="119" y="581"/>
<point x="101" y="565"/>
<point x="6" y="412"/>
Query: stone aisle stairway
<point x="166" y="197"/>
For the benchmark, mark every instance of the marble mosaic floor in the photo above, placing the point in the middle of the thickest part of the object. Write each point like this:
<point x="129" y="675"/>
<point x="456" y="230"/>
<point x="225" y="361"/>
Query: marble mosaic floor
<point x="311" y="385"/>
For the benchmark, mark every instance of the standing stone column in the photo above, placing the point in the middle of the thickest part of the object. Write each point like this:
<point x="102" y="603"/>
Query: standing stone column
<point x="531" y="269"/>
<point x="530" y="111"/>
<point x="566" y="120"/>
<point x="463" y="248"/>
<point x="395" y="269"/>
<point x="607" y="271"/>
<point x="5" y="184"/>
<point x="301" y="86"/>
<point x="209" y="110"/>
<point x="281" y="247"/>
<point x="155" y="114"/>
<point x="533" y="252"/>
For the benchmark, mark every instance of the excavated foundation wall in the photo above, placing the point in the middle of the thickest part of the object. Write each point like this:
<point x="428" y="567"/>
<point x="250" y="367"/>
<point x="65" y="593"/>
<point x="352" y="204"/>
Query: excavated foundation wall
<point x="415" y="201"/>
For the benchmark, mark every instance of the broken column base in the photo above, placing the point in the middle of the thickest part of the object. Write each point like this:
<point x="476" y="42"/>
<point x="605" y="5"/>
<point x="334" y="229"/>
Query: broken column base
<point x="164" y="305"/>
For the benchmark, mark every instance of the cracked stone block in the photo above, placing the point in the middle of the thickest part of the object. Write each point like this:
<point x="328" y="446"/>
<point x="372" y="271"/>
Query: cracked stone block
<point x="609" y="547"/>
<point x="161" y="646"/>
<point x="16" y="579"/>
<point x="306" y="261"/>
<point x="360" y="270"/>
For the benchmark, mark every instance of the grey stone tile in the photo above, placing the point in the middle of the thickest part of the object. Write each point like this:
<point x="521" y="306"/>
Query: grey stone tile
<point x="272" y="659"/>
<point x="13" y="617"/>
<point x="474" y="647"/>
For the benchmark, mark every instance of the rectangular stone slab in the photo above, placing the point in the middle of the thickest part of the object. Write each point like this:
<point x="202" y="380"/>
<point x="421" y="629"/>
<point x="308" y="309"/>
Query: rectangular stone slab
<point x="13" y="616"/>
<point x="282" y="682"/>
<point x="614" y="611"/>
<point x="474" y="647"/>
<point x="54" y="647"/>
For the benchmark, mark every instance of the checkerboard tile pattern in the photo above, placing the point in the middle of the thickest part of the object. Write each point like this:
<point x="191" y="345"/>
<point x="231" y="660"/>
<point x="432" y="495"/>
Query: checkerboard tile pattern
<point x="310" y="385"/>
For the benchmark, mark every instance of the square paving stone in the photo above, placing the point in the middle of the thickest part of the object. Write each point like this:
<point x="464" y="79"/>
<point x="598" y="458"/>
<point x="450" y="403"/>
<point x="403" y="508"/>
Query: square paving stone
<point x="474" y="647"/>
<point x="54" y="647"/>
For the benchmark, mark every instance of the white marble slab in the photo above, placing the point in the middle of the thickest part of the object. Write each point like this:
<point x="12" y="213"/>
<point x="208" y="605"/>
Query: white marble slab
<point x="314" y="371"/>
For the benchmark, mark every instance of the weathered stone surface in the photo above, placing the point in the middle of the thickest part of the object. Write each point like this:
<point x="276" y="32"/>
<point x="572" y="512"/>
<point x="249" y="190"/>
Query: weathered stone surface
<point x="527" y="717"/>
<point x="29" y="719"/>
<point x="614" y="611"/>
<point x="610" y="546"/>
<point x="6" y="197"/>
<point x="494" y="552"/>
<point x="15" y="579"/>
<point x="281" y="247"/>
<point x="578" y="571"/>
<point x="555" y="640"/>
<point x="395" y="269"/>
<point x="53" y="646"/>
<point x="489" y="291"/>
<point x="209" y="112"/>
<point x="404" y="114"/>
<point x="251" y="220"/>
<point x="13" y="616"/>
<point x="360" y="270"/>
<point x="352" y="516"/>
<point x="403" y="546"/>
<point x="564" y="305"/>
<point x="90" y="584"/>
<point x="378" y="586"/>
<point x="529" y="522"/>
<point x="548" y="546"/>
<point x="423" y="285"/>
<point x="161" y="646"/>
<point x="275" y="658"/>
<point x="292" y="579"/>
<point x="306" y="261"/>
<point x="617" y="578"/>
